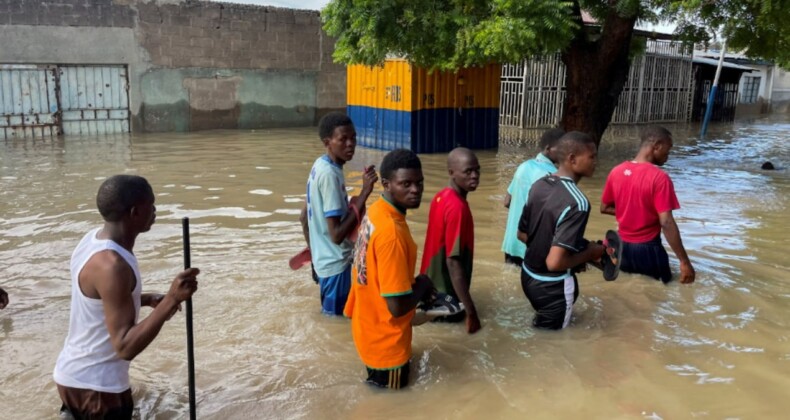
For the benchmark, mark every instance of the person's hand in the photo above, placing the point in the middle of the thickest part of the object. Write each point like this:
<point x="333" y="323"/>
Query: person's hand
<point x="157" y="298"/>
<point x="472" y="323"/>
<point x="580" y="268"/>
<point x="597" y="250"/>
<point x="687" y="273"/>
<point x="3" y="298"/>
<point x="430" y="294"/>
<point x="369" y="178"/>
<point x="184" y="285"/>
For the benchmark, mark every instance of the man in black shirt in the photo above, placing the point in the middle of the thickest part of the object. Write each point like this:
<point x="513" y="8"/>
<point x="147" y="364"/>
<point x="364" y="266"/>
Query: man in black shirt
<point x="552" y="225"/>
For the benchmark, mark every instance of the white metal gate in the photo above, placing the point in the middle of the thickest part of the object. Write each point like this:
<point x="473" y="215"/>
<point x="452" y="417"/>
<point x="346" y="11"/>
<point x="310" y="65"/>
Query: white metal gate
<point x="46" y="100"/>
<point x="28" y="101"/>
<point x="94" y="99"/>
<point x="659" y="88"/>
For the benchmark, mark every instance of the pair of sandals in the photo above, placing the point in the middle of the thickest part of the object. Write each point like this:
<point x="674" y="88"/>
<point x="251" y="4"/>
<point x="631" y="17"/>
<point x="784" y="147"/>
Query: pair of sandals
<point x="441" y="304"/>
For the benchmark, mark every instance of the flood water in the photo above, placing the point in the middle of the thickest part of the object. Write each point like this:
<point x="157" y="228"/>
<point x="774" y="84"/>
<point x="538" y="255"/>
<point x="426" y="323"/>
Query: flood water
<point x="719" y="348"/>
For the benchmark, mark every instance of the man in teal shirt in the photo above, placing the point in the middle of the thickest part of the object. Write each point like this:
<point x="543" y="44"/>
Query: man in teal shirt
<point x="518" y="191"/>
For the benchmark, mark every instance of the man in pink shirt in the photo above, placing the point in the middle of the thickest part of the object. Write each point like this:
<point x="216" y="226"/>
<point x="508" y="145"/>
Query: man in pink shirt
<point x="641" y="196"/>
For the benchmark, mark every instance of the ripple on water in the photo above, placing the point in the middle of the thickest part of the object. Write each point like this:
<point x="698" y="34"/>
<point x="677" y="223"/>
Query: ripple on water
<point x="171" y="212"/>
<point x="263" y="347"/>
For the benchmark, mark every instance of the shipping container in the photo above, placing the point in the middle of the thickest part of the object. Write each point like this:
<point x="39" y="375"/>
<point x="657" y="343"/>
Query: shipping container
<point x="399" y="105"/>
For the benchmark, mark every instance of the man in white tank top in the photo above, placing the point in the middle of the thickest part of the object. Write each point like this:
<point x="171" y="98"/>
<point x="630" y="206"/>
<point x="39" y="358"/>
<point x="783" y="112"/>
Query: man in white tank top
<point x="92" y="371"/>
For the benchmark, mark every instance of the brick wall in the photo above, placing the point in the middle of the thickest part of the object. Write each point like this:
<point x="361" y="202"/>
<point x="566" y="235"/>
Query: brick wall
<point x="223" y="35"/>
<point x="93" y="13"/>
<point x="279" y="60"/>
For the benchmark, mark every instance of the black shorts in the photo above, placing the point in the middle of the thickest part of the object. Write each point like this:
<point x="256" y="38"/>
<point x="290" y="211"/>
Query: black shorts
<point x="389" y="378"/>
<point x="89" y="404"/>
<point x="648" y="258"/>
<point x="552" y="300"/>
<point x="510" y="259"/>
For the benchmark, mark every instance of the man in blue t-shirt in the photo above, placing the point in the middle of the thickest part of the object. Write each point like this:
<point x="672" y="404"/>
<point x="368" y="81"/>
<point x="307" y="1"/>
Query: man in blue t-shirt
<point x="518" y="191"/>
<point x="328" y="217"/>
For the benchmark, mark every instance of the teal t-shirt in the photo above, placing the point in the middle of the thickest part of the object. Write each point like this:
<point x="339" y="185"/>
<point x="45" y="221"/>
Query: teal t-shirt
<point x="327" y="197"/>
<point x="526" y="175"/>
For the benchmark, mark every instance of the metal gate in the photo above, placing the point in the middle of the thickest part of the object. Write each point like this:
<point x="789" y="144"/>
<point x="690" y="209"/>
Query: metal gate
<point x="94" y="99"/>
<point x="658" y="89"/>
<point x="46" y="100"/>
<point x="28" y="101"/>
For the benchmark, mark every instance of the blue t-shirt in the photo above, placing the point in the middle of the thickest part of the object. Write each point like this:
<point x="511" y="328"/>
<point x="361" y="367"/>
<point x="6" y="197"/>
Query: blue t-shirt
<point x="526" y="175"/>
<point x="327" y="197"/>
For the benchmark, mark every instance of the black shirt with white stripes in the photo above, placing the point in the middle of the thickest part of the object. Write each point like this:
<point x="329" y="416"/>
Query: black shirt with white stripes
<point x="556" y="214"/>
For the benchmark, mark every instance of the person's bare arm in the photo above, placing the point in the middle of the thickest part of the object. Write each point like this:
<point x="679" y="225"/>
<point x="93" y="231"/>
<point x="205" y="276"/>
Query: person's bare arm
<point x="402" y="305"/>
<point x="560" y="259"/>
<point x="522" y="236"/>
<point x="607" y="208"/>
<point x="461" y="284"/>
<point x="340" y="229"/>
<point x="508" y="197"/>
<point x="112" y="280"/>
<point x="672" y="233"/>
<point x="305" y="226"/>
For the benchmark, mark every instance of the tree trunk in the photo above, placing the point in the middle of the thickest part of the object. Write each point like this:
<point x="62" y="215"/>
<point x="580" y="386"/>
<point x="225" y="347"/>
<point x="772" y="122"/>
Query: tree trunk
<point x="596" y="72"/>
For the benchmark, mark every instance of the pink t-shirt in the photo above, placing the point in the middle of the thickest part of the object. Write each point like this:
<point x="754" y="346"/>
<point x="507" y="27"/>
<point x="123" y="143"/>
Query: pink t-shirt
<point x="639" y="192"/>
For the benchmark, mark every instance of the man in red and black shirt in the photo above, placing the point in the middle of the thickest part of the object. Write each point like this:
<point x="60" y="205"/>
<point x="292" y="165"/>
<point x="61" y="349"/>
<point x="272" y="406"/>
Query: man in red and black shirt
<point x="642" y="197"/>
<point x="450" y="238"/>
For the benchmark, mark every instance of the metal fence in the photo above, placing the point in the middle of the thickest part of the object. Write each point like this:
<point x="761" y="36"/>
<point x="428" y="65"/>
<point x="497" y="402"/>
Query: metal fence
<point x="44" y="100"/>
<point x="659" y="88"/>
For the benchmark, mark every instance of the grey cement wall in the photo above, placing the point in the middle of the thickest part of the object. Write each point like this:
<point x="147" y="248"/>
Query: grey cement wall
<point x="192" y="65"/>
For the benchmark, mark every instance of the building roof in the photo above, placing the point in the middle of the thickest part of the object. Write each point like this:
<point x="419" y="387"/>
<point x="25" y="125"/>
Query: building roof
<point x="715" y="62"/>
<point x="733" y="57"/>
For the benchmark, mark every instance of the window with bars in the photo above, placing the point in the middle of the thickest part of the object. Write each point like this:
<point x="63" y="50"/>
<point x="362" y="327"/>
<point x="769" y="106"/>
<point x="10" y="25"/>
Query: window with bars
<point x="751" y="89"/>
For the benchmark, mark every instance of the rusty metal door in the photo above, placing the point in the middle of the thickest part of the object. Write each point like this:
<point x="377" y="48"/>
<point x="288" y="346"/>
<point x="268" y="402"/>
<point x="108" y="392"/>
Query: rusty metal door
<point x="94" y="99"/>
<point x="47" y="100"/>
<point x="28" y="101"/>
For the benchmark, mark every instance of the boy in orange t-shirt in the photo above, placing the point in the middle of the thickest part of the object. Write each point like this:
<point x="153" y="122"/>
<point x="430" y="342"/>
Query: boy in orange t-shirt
<point x="384" y="292"/>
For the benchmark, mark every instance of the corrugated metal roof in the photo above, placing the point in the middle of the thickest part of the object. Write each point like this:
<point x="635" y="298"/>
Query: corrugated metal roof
<point x="715" y="62"/>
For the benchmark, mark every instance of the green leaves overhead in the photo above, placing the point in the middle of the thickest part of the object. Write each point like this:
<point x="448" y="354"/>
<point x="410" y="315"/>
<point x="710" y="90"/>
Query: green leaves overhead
<point x="758" y="28"/>
<point x="447" y="34"/>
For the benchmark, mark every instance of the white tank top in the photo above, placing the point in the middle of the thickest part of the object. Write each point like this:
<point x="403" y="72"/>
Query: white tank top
<point x="88" y="360"/>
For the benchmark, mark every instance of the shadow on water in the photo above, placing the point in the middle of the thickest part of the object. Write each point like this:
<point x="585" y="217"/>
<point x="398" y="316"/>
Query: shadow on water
<point x="636" y="348"/>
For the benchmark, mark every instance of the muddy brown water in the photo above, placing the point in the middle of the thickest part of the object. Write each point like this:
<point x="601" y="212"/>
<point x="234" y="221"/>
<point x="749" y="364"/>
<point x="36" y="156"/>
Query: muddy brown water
<point x="719" y="348"/>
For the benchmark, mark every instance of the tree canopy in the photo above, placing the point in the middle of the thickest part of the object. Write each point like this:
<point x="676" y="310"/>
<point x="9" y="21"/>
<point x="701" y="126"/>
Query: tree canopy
<point x="759" y="28"/>
<point x="448" y="34"/>
<point x="596" y="38"/>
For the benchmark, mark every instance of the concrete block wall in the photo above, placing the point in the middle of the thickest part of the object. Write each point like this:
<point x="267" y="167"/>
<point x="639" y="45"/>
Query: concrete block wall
<point x="192" y="64"/>
<point x="89" y="13"/>
<point x="221" y="35"/>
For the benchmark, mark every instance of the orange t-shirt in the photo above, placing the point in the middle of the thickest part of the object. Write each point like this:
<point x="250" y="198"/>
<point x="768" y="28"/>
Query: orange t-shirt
<point x="385" y="256"/>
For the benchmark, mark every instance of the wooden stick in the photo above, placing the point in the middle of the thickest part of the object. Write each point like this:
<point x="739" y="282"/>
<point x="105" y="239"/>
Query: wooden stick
<point x="190" y="340"/>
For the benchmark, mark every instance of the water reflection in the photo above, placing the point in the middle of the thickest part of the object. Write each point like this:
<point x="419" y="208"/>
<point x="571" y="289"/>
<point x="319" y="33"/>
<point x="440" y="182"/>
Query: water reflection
<point x="637" y="348"/>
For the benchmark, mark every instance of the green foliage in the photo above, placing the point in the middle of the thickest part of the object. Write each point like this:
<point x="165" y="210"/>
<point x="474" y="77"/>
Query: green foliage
<point x="447" y="34"/>
<point x="759" y="28"/>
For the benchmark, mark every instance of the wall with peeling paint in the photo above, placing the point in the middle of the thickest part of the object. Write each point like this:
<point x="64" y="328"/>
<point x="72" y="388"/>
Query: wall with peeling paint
<point x="192" y="65"/>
